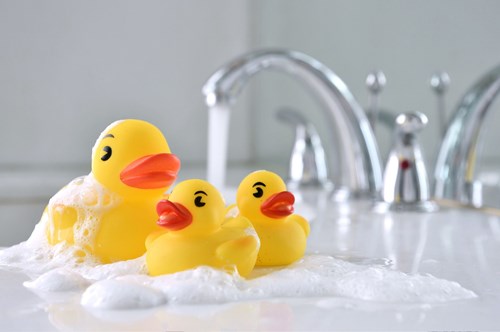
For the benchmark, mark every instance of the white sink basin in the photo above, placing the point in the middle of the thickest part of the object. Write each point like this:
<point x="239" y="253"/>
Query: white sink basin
<point x="459" y="245"/>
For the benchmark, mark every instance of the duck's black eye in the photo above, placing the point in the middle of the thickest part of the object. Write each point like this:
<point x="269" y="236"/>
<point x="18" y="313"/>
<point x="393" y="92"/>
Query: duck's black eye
<point x="258" y="192"/>
<point x="199" y="197"/>
<point x="198" y="202"/>
<point x="107" y="153"/>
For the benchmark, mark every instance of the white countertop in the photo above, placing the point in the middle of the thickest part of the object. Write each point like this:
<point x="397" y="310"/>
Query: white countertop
<point x="459" y="245"/>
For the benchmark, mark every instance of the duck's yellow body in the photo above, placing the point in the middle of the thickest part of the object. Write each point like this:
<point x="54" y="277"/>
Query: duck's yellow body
<point x="197" y="233"/>
<point x="110" y="212"/>
<point x="262" y="198"/>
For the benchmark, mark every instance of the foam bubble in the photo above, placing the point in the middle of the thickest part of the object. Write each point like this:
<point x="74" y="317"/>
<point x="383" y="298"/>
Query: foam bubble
<point x="128" y="285"/>
<point x="314" y="276"/>
<point x="58" y="280"/>
<point x="36" y="260"/>
<point x="121" y="294"/>
<point x="90" y="200"/>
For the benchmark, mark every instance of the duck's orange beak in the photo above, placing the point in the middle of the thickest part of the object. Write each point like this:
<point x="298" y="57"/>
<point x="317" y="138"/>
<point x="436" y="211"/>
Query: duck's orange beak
<point x="173" y="216"/>
<point x="278" y="205"/>
<point x="151" y="172"/>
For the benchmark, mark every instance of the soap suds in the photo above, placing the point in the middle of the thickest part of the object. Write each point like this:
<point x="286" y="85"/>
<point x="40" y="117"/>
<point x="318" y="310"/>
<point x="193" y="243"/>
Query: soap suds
<point x="313" y="276"/>
<point x="89" y="200"/>
<point x="58" y="280"/>
<point x="121" y="294"/>
<point x="126" y="284"/>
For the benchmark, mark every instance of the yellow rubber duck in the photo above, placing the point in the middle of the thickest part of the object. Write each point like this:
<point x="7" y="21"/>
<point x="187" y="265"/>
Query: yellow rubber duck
<point x="110" y="212"/>
<point x="262" y="198"/>
<point x="197" y="232"/>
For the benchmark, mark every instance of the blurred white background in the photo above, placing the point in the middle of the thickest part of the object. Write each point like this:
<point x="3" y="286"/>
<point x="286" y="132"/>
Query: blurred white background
<point x="69" y="68"/>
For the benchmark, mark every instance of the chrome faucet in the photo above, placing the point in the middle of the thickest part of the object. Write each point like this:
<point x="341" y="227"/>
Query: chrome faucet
<point x="454" y="173"/>
<point x="359" y="159"/>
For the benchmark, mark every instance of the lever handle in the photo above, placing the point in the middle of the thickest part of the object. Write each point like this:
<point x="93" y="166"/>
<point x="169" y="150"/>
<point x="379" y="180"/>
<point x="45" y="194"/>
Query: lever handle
<point x="375" y="82"/>
<point x="291" y="116"/>
<point x="307" y="162"/>
<point x="406" y="184"/>
<point x="411" y="123"/>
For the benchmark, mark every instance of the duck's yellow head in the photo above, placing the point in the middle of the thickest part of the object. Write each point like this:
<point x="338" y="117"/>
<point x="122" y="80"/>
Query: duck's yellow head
<point x="194" y="208"/>
<point x="132" y="158"/>
<point x="262" y="196"/>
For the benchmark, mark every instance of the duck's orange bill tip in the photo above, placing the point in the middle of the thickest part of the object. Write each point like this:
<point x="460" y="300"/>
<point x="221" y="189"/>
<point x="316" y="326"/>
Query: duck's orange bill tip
<point x="151" y="172"/>
<point x="279" y="205"/>
<point x="173" y="216"/>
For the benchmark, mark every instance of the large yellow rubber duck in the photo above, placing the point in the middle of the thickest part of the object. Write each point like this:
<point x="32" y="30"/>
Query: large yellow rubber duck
<point x="197" y="232"/>
<point x="263" y="199"/>
<point x="110" y="212"/>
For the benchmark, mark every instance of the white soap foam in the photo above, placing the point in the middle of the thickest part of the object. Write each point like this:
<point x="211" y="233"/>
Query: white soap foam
<point x="37" y="257"/>
<point x="126" y="285"/>
<point x="313" y="276"/>
<point x="90" y="200"/>
<point x="58" y="280"/>
<point x="121" y="294"/>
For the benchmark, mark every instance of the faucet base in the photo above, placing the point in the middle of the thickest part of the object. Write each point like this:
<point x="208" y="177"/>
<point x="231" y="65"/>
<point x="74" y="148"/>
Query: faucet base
<point x="326" y="185"/>
<point x="422" y="206"/>
<point x="344" y="194"/>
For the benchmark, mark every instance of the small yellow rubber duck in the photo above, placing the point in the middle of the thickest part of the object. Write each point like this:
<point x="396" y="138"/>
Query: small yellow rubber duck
<point x="197" y="233"/>
<point x="110" y="212"/>
<point x="262" y="198"/>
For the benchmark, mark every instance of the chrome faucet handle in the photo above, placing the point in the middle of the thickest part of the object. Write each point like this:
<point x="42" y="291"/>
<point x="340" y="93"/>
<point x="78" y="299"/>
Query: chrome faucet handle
<point x="406" y="185"/>
<point x="440" y="81"/>
<point x="308" y="167"/>
<point x="375" y="82"/>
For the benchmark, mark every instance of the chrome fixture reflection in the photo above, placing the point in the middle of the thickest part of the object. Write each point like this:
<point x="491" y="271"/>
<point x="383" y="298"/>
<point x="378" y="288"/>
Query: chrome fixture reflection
<point x="308" y="165"/>
<point x="406" y="185"/>
<point x="454" y="173"/>
<point x="359" y="160"/>
<point x="375" y="81"/>
<point x="440" y="81"/>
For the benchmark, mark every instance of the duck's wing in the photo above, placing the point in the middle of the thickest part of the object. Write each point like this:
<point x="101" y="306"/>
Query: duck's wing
<point x="232" y="251"/>
<point x="238" y="222"/>
<point x="231" y="212"/>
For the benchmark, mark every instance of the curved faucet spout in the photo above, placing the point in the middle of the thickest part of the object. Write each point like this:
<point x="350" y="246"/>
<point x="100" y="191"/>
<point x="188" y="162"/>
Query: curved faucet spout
<point x="358" y="153"/>
<point x="457" y="157"/>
